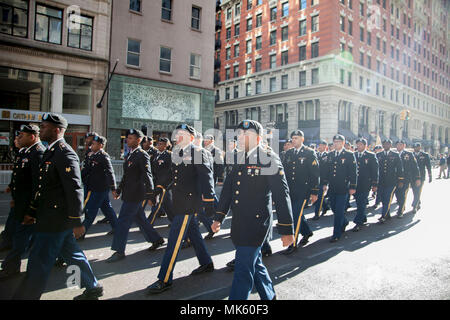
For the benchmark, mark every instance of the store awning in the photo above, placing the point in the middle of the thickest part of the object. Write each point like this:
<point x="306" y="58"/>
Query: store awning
<point x="348" y="134"/>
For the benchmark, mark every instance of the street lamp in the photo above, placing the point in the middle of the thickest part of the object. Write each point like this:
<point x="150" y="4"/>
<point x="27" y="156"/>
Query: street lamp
<point x="100" y="103"/>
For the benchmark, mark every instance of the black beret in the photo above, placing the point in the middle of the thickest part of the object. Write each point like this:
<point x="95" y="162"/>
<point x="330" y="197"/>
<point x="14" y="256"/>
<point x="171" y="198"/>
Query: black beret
<point x="251" y="124"/>
<point x="400" y="141"/>
<point x="362" y="140"/>
<point x="163" y="139"/>
<point x="312" y="145"/>
<point x="297" y="133"/>
<point x="137" y="133"/>
<point x="339" y="137"/>
<point x="208" y="137"/>
<point x="417" y="144"/>
<point x="377" y="147"/>
<point x="99" y="139"/>
<point x="323" y="142"/>
<point x="29" y="128"/>
<point x="187" y="128"/>
<point x="91" y="134"/>
<point x="56" y="119"/>
<point x="387" y="141"/>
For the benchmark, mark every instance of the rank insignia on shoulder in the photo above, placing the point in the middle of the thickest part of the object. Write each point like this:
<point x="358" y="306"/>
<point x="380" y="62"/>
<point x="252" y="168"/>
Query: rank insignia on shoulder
<point x="314" y="163"/>
<point x="281" y="173"/>
<point x="68" y="169"/>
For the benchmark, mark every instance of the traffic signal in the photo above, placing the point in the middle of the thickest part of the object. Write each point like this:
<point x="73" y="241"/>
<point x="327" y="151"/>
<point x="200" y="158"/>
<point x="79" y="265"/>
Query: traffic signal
<point x="405" y="114"/>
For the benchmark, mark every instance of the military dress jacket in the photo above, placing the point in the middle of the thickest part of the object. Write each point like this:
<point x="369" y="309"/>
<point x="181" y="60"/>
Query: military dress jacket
<point x="25" y="179"/>
<point x="137" y="180"/>
<point x="390" y="168"/>
<point x="58" y="202"/>
<point x="367" y="171"/>
<point x="302" y="172"/>
<point x="323" y="166"/>
<point x="162" y="169"/>
<point x="101" y="173"/>
<point x="192" y="185"/>
<point x="341" y="174"/>
<point x="411" y="171"/>
<point x="218" y="164"/>
<point x="248" y="191"/>
<point x="423" y="161"/>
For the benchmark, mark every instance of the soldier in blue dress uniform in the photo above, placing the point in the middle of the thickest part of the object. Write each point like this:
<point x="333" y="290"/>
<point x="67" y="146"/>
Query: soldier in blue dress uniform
<point x="367" y="179"/>
<point x="248" y="190"/>
<point x="57" y="210"/>
<point x="423" y="161"/>
<point x="321" y="205"/>
<point x="302" y="174"/>
<point x="411" y="176"/>
<point x="341" y="179"/>
<point x="192" y="190"/>
<point x="390" y="177"/>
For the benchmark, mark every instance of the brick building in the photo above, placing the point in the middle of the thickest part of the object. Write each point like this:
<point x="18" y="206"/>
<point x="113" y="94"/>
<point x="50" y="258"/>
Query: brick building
<point x="347" y="66"/>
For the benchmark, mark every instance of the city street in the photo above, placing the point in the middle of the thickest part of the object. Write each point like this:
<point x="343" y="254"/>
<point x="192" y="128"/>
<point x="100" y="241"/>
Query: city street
<point x="406" y="258"/>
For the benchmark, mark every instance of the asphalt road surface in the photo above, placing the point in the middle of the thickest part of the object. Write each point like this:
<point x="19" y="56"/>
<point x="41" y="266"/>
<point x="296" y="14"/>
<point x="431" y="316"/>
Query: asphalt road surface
<point x="406" y="258"/>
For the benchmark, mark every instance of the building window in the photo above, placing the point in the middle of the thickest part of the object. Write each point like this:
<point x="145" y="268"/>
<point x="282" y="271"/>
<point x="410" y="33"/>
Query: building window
<point x="133" y="52"/>
<point x="273" y="84"/>
<point x="227" y="74"/>
<point x="361" y="58"/>
<point x="284" y="58"/>
<point x="236" y="71"/>
<point x="349" y="83"/>
<point x="258" y="86"/>
<point x="302" y="4"/>
<point x="273" y="14"/>
<point x="227" y="93"/>
<point x="342" y="23"/>
<point x="258" y="20"/>
<point x="284" y="33"/>
<point x="369" y="38"/>
<point x="135" y="5"/>
<point x="258" y="43"/>
<point x="249" y="24"/>
<point x="248" y="67"/>
<point x="342" y="76"/>
<point x="165" y="59"/>
<point x="14" y="18"/>
<point x="315" y="23"/>
<point x="248" y="45"/>
<point x="228" y="33"/>
<point x="350" y="27"/>
<point x="195" y="21"/>
<point x="76" y="95"/>
<point x="166" y="10"/>
<point x="236" y="50"/>
<point x="80" y="32"/>
<point x="361" y="33"/>
<point x="48" y="24"/>
<point x="249" y="4"/>
<point x="284" y="82"/>
<point x="302" y="53"/>
<point x="273" y="37"/>
<point x="273" y="61"/>
<point x="314" y="50"/>
<point x="285" y="9"/>
<point x="361" y="9"/>
<point x="228" y="53"/>
<point x="237" y="9"/>
<point x="315" y="76"/>
<point x="258" y="65"/>
<point x="248" y="89"/>
<point x="309" y="110"/>
<point x="237" y="29"/>
<point x="194" y="68"/>
<point x="302" y="27"/>
<point x="302" y="78"/>
<point x="236" y="92"/>
<point x="229" y="13"/>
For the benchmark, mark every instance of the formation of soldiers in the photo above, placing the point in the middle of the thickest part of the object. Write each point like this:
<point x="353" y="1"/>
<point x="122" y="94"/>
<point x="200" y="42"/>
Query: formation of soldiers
<point x="63" y="200"/>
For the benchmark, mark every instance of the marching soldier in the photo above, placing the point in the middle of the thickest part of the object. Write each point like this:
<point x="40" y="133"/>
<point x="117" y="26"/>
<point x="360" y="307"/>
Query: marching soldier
<point x="287" y="145"/>
<point x="321" y="205"/>
<point x="376" y="195"/>
<point x="208" y="141"/>
<point x="147" y="145"/>
<point x="26" y="171"/>
<point x="302" y="174"/>
<point x="341" y="179"/>
<point x="136" y="188"/>
<point x="248" y="190"/>
<point x="367" y="178"/>
<point x="423" y="161"/>
<point x="390" y="175"/>
<point x="230" y="156"/>
<point x="411" y="176"/>
<point x="100" y="180"/>
<point x="57" y="211"/>
<point x="191" y="169"/>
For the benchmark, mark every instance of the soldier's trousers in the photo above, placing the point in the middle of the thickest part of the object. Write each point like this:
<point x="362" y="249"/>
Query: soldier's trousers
<point x="361" y="204"/>
<point x="417" y="191"/>
<point x="165" y="204"/>
<point x="300" y="225"/>
<point x="47" y="246"/>
<point x="20" y="244"/>
<point x="132" y="212"/>
<point x="401" y="194"/>
<point x="182" y="226"/>
<point x="8" y="232"/>
<point x="338" y="204"/>
<point x="386" y="194"/>
<point x="94" y="201"/>
<point x="250" y="271"/>
<point x="203" y="218"/>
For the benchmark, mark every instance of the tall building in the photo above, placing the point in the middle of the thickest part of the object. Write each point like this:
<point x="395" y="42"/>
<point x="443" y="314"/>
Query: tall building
<point x="54" y="57"/>
<point x="164" y="75"/>
<point x="346" y="66"/>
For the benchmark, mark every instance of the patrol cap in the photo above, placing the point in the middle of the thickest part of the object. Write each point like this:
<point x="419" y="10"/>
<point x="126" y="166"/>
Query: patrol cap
<point x="387" y="141"/>
<point x="187" y="128"/>
<point x="99" y="139"/>
<point x="297" y="133"/>
<point x="339" y="137"/>
<point x="362" y="140"/>
<point x="29" y="128"/>
<point x="251" y="124"/>
<point x="323" y="142"/>
<point x="56" y="119"/>
<point x="137" y="133"/>
<point x="417" y="144"/>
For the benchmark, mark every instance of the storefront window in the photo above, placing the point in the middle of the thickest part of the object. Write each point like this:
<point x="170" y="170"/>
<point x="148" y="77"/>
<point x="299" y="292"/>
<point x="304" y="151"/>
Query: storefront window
<point x="77" y="95"/>
<point x="25" y="90"/>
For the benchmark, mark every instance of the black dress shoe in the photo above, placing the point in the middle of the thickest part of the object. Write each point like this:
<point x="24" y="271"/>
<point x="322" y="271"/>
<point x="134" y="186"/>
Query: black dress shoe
<point x="203" y="269"/>
<point x="305" y="239"/>
<point x="209" y="236"/>
<point x="345" y="226"/>
<point x="291" y="249"/>
<point x="266" y="253"/>
<point x="230" y="265"/>
<point x="399" y="215"/>
<point x="158" y="287"/>
<point x="104" y="220"/>
<point x="156" y="244"/>
<point x="115" y="257"/>
<point x="90" y="294"/>
<point x="315" y="218"/>
<point x="356" y="228"/>
<point x="324" y="211"/>
<point x="333" y="240"/>
<point x="6" y="275"/>
<point x="111" y="232"/>
<point x="382" y="220"/>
